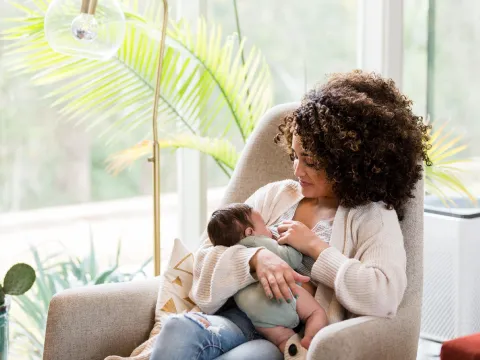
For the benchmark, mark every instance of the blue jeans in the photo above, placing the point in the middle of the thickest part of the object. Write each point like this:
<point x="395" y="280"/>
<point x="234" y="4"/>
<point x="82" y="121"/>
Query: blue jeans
<point x="230" y="335"/>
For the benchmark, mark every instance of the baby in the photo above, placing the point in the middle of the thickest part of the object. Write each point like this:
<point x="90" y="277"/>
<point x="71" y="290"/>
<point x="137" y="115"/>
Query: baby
<point x="240" y="224"/>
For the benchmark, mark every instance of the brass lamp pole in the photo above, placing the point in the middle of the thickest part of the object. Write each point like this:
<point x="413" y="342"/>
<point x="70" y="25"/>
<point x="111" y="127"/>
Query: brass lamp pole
<point x="155" y="159"/>
<point x="98" y="35"/>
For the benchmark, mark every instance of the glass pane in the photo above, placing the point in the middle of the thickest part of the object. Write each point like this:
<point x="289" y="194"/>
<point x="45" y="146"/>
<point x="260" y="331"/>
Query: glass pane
<point x="61" y="210"/>
<point x="302" y="41"/>
<point x="455" y="80"/>
<point x="415" y="53"/>
<point x="441" y="75"/>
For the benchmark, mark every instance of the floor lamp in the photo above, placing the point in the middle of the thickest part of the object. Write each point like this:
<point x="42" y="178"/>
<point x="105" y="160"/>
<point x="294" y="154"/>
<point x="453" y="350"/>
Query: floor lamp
<point x="95" y="29"/>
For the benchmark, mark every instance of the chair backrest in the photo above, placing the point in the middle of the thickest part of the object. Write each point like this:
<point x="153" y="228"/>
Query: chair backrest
<point x="263" y="162"/>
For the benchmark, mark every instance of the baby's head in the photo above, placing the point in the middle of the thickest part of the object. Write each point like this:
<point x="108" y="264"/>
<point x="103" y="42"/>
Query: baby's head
<point x="232" y="223"/>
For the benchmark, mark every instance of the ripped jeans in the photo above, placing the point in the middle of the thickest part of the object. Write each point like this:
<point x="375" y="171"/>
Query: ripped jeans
<point x="228" y="335"/>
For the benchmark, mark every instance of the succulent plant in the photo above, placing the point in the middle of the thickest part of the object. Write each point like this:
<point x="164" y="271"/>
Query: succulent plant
<point x="18" y="280"/>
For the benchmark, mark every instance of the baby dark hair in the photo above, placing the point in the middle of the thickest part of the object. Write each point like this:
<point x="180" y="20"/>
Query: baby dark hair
<point x="227" y="225"/>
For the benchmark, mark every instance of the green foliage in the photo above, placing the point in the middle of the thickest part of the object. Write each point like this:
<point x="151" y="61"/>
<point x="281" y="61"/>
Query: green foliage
<point x="206" y="87"/>
<point x="210" y="84"/>
<point x="18" y="280"/>
<point x="443" y="174"/>
<point x="220" y="149"/>
<point x="55" y="273"/>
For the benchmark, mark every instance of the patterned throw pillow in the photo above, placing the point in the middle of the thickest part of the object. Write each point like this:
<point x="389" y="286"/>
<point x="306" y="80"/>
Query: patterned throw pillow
<point x="176" y="283"/>
<point x="173" y="297"/>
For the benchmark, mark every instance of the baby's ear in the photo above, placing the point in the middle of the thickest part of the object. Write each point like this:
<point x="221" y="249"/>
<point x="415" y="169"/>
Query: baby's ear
<point x="249" y="231"/>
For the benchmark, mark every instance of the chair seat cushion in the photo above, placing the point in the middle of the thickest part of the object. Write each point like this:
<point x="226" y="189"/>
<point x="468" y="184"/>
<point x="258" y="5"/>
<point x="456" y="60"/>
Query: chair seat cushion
<point x="463" y="348"/>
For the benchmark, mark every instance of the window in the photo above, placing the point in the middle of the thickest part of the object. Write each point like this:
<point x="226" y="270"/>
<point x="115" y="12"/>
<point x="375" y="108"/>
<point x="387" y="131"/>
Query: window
<point x="415" y="44"/>
<point x="441" y="73"/>
<point x="301" y="41"/>
<point x="58" y="200"/>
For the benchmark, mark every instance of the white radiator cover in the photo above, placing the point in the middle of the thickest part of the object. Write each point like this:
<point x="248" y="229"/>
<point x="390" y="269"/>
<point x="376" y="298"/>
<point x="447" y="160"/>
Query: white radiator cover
<point x="451" y="292"/>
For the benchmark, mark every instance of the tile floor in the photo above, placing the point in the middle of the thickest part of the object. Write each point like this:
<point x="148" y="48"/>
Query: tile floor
<point x="428" y="350"/>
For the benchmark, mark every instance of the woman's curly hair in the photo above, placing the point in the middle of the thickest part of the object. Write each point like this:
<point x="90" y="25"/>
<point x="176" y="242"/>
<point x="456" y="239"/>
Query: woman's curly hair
<point x="361" y="131"/>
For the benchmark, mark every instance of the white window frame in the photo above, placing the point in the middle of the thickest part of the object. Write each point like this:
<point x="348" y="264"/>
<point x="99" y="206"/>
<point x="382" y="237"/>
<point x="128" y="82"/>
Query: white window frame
<point x="191" y="164"/>
<point x="380" y="37"/>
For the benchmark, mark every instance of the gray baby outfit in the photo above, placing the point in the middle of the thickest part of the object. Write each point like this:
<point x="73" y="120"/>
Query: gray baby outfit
<point x="252" y="300"/>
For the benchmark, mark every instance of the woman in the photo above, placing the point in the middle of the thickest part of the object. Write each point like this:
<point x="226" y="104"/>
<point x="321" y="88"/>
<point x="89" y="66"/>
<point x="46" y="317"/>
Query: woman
<point x="356" y="149"/>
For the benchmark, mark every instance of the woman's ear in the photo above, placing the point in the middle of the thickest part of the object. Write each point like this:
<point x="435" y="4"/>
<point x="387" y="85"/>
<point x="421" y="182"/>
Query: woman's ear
<point x="249" y="231"/>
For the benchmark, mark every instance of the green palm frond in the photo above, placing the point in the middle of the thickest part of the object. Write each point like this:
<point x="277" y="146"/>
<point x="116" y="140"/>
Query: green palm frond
<point x="121" y="160"/>
<point x="221" y="150"/>
<point x="122" y="88"/>
<point x="203" y="77"/>
<point x="434" y="189"/>
<point x="39" y="7"/>
<point x="244" y="88"/>
<point x="443" y="174"/>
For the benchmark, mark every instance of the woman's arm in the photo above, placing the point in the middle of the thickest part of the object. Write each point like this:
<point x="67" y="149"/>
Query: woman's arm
<point x="224" y="271"/>
<point x="374" y="281"/>
<point x="219" y="271"/>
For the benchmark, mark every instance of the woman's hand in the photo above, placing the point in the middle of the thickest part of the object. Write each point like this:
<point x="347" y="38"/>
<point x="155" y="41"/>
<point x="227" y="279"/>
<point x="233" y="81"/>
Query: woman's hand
<point x="276" y="276"/>
<point x="300" y="237"/>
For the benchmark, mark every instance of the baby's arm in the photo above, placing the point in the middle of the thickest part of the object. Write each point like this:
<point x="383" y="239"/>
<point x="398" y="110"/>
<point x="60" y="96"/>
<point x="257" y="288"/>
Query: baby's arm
<point x="287" y="253"/>
<point x="312" y="289"/>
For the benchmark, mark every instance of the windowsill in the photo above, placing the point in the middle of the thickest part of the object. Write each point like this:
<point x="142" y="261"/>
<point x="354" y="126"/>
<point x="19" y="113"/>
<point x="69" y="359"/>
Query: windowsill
<point x="69" y="229"/>
<point x="136" y="206"/>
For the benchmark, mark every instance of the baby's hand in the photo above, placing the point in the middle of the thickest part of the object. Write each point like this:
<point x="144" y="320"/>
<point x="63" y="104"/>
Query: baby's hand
<point x="274" y="228"/>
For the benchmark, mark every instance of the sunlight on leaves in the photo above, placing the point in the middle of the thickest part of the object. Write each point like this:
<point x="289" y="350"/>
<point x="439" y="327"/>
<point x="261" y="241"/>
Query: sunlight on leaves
<point x="443" y="175"/>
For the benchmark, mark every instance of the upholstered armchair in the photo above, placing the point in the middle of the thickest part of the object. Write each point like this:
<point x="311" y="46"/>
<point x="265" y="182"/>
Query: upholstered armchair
<point x="94" y="322"/>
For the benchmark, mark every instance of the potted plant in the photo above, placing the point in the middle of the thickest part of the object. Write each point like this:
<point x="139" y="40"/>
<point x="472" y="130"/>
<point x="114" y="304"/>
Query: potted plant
<point x="18" y="280"/>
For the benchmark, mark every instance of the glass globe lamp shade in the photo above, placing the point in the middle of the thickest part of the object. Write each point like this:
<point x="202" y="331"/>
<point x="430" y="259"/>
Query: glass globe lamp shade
<point x="85" y="28"/>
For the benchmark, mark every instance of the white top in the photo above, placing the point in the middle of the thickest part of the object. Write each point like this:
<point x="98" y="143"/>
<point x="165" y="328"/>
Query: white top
<point x="323" y="229"/>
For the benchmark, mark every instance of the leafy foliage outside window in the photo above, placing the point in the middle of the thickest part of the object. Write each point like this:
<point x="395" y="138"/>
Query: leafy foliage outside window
<point x="54" y="274"/>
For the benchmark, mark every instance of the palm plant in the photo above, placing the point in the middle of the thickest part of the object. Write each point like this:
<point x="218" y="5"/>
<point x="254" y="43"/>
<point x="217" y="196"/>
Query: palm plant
<point x="56" y="273"/>
<point x="443" y="175"/>
<point x="208" y="84"/>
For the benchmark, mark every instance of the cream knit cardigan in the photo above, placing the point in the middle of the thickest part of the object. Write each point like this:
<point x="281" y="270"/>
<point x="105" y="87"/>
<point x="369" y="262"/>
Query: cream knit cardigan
<point x="363" y="271"/>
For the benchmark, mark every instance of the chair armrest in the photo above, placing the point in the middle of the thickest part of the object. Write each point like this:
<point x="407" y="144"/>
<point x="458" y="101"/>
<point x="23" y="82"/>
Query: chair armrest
<point x="368" y="337"/>
<point x="96" y="321"/>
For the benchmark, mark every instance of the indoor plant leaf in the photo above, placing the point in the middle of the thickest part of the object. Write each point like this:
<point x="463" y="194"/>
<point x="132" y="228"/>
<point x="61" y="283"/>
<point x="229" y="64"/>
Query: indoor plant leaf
<point x="201" y="76"/>
<point x="221" y="150"/>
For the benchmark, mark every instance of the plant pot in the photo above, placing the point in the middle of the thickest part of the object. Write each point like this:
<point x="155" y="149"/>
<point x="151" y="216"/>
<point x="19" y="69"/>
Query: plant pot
<point x="4" y="328"/>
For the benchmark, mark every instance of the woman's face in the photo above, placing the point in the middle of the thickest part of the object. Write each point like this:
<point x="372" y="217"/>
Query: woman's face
<point x="313" y="182"/>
